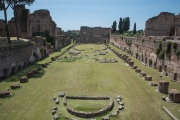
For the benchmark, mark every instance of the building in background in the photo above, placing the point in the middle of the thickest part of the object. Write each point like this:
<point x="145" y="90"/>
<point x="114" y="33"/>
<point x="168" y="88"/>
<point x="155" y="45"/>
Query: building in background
<point x="93" y="35"/>
<point x="165" y="24"/>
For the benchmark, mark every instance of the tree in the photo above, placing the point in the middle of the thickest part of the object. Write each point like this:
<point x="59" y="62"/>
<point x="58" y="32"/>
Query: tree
<point x="120" y="25"/>
<point x="127" y="24"/>
<point x="13" y="5"/>
<point x="4" y="6"/>
<point x="123" y="26"/>
<point x="134" y="30"/>
<point x="49" y="38"/>
<point x="114" y="26"/>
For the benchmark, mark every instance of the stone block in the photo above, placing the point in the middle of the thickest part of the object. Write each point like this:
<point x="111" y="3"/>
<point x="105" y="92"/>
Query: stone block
<point x="148" y="77"/>
<point x="61" y="94"/>
<point x="56" y="117"/>
<point x="163" y="86"/>
<point x="2" y="94"/>
<point x="142" y="73"/>
<point x="23" y="79"/>
<point x="30" y="74"/>
<point x="5" y="93"/>
<point x="153" y="84"/>
<point x="174" y="96"/>
<point x="15" y="85"/>
<point x="39" y="68"/>
<point x="44" y="66"/>
<point x="53" y="112"/>
<point x="57" y="101"/>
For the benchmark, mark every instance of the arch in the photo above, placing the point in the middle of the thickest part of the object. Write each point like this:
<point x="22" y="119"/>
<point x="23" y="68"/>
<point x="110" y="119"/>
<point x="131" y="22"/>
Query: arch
<point x="172" y="31"/>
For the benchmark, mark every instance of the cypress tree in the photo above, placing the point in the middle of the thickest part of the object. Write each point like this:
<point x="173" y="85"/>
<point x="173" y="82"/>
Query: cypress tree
<point x="120" y="25"/>
<point x="128" y="23"/>
<point x="134" y="30"/>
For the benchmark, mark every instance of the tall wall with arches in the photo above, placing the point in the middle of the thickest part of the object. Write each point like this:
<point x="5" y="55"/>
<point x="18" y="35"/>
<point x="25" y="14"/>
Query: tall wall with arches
<point x="144" y="49"/>
<point x="165" y="24"/>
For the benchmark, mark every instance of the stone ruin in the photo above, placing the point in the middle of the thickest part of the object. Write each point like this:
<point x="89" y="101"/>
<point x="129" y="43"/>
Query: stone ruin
<point x="174" y="96"/>
<point x="23" y="79"/>
<point x="163" y="86"/>
<point x="142" y="73"/>
<point x="153" y="84"/>
<point x="44" y="66"/>
<point x="131" y="63"/>
<point x="30" y="74"/>
<point x="39" y="68"/>
<point x="53" y="58"/>
<point x="82" y="114"/>
<point x="148" y="77"/>
<point x="74" y="53"/>
<point x="107" y="60"/>
<point x="15" y="85"/>
<point x="134" y="67"/>
<point x="5" y="93"/>
<point x="120" y="107"/>
<point x="138" y="70"/>
<point x="102" y="53"/>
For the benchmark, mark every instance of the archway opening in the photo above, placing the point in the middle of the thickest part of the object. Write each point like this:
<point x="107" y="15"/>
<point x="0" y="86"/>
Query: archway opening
<point x="172" y="31"/>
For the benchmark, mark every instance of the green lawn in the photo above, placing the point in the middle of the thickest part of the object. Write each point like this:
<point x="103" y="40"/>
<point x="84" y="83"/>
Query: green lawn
<point x="85" y="77"/>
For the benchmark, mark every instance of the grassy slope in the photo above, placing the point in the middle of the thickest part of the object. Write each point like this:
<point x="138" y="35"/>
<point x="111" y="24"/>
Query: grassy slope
<point x="87" y="78"/>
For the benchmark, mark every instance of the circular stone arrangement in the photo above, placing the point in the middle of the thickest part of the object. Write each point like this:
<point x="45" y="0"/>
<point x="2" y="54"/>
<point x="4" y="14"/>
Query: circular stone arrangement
<point x="82" y="114"/>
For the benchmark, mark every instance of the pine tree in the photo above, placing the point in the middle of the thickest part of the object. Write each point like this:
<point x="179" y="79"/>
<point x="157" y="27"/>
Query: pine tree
<point x="134" y="30"/>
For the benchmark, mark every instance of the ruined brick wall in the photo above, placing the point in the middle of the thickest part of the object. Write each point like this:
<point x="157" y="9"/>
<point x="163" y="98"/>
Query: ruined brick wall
<point x="61" y="41"/>
<point x="146" y="50"/>
<point x="2" y="28"/>
<point x="22" y="23"/>
<point x="94" y="35"/>
<point x="165" y="24"/>
<point x="14" y="58"/>
<point x="40" y="20"/>
<point x="10" y="58"/>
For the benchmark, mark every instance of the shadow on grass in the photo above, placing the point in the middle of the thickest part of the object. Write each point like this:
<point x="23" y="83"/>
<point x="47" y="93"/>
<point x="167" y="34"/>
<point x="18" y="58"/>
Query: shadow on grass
<point x="16" y="76"/>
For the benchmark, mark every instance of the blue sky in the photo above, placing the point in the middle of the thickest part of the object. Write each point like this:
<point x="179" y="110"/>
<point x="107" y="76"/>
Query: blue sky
<point x="71" y="14"/>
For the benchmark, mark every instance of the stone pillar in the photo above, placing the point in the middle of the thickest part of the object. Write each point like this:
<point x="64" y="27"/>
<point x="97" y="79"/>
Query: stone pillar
<point x="163" y="86"/>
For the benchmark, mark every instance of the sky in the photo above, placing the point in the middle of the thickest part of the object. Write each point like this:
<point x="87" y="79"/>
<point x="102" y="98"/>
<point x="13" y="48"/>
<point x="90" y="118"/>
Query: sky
<point x="72" y="14"/>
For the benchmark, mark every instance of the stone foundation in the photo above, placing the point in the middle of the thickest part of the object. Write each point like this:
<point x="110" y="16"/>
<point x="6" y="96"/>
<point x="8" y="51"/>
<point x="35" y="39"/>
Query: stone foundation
<point x="82" y="114"/>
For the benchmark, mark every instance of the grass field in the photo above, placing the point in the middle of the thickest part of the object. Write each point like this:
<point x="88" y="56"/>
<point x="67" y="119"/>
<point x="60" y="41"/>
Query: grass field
<point x="85" y="77"/>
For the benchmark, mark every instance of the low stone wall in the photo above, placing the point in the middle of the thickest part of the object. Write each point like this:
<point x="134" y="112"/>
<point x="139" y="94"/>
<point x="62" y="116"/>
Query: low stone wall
<point x="87" y="98"/>
<point x="82" y="114"/>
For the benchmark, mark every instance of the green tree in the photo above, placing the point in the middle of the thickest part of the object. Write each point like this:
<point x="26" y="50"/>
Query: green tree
<point x="114" y="26"/>
<point x="13" y="5"/>
<point x="4" y="6"/>
<point x="120" y="25"/>
<point x="126" y="24"/>
<point x="134" y="30"/>
<point x="49" y="38"/>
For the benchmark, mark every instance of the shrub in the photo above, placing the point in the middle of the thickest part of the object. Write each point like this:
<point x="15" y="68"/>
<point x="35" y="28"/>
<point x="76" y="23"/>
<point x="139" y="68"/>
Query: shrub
<point x="150" y="62"/>
<point x="161" y="54"/>
<point x="178" y="53"/>
<point x="175" y="46"/>
<point x="136" y="55"/>
<point x="158" y="50"/>
<point x="160" y="45"/>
